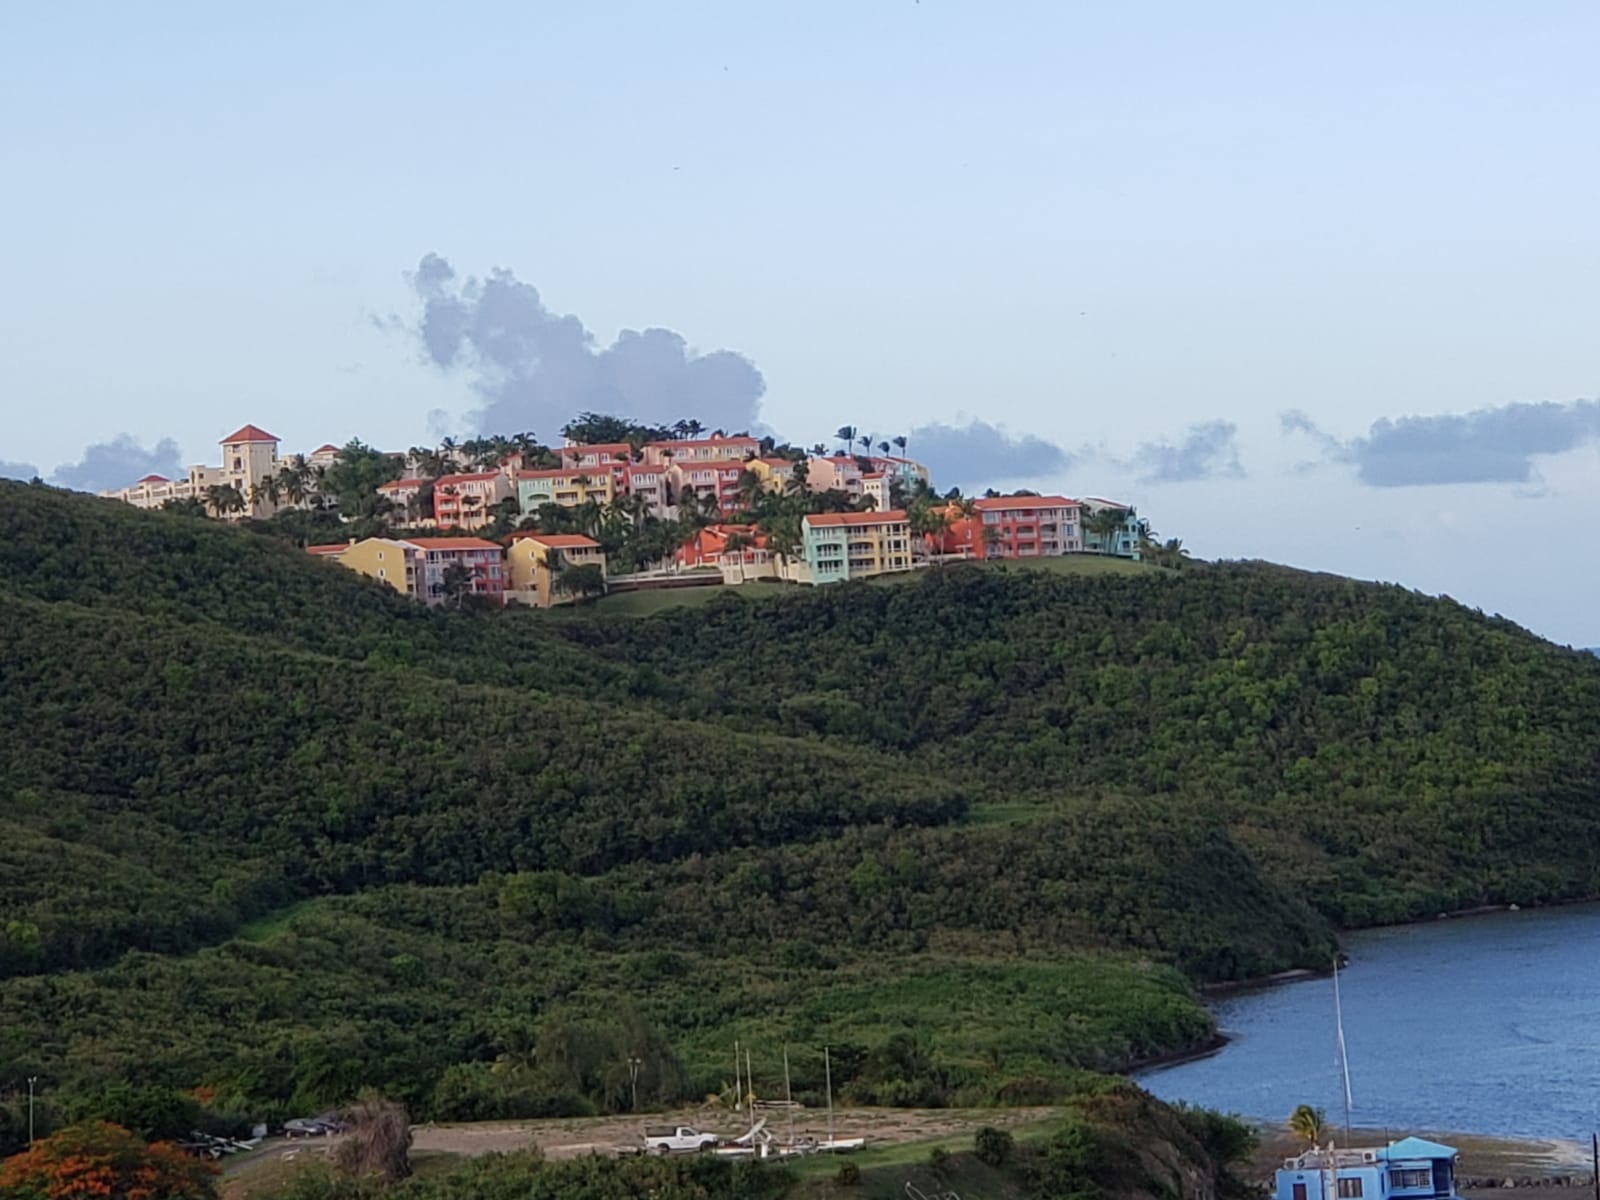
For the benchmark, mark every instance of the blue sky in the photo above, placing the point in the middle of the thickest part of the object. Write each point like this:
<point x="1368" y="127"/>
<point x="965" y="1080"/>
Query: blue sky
<point x="1308" y="283"/>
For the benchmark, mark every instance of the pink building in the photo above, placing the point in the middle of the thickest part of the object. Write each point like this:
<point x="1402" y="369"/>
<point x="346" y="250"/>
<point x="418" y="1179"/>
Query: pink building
<point x="465" y="500"/>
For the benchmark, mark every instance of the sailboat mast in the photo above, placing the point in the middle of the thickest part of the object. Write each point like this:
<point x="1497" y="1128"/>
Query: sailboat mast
<point x="1344" y="1059"/>
<point x="788" y="1095"/>
<point x="827" y="1072"/>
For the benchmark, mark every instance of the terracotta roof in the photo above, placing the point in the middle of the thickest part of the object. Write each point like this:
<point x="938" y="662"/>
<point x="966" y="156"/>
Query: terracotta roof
<point x="561" y="473"/>
<point x="401" y="483"/>
<point x="326" y="446"/>
<point x="558" y="541"/>
<point x="336" y="548"/>
<point x="776" y="462"/>
<point x="993" y="503"/>
<point x="866" y="518"/>
<point x="155" y="479"/>
<point x="735" y="440"/>
<point x="250" y="433"/>
<point x="477" y="477"/>
<point x="597" y="448"/>
<point x="450" y="543"/>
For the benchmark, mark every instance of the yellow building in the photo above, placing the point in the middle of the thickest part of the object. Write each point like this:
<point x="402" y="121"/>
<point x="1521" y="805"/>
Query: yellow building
<point x="775" y="473"/>
<point x="853" y="545"/>
<point x="536" y="562"/>
<point x="387" y="560"/>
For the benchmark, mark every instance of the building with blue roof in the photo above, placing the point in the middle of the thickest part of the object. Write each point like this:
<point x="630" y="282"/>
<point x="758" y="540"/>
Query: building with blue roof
<point x="1411" y="1169"/>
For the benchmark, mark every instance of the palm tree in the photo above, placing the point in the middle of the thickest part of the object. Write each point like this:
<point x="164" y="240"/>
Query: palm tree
<point x="1106" y="524"/>
<point x="749" y="488"/>
<point x="471" y="505"/>
<point x="883" y="447"/>
<point x="1307" y="1123"/>
<point x="819" y="451"/>
<point x="292" y="484"/>
<point x="866" y="442"/>
<point x="991" y="540"/>
<point x="847" y="435"/>
<point x="900" y="444"/>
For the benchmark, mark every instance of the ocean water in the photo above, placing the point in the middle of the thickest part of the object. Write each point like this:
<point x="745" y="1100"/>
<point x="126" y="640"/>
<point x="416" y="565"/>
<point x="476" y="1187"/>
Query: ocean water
<point x="1486" y="1024"/>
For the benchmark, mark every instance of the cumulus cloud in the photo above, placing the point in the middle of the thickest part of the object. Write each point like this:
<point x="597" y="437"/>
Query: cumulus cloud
<point x="533" y="369"/>
<point x="1489" y="445"/>
<point x="17" y="470"/>
<point x="1209" y="450"/>
<point x="981" y="453"/>
<point x="119" y="462"/>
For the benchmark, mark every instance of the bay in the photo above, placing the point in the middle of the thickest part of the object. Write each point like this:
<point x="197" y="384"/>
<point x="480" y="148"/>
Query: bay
<point x="1487" y="1024"/>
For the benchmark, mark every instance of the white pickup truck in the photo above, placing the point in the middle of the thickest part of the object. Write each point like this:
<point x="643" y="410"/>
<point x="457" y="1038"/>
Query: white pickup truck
<point x="677" y="1139"/>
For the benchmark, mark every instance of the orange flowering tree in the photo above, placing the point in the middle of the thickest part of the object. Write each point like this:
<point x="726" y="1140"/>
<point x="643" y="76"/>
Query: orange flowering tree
<point x="99" y="1161"/>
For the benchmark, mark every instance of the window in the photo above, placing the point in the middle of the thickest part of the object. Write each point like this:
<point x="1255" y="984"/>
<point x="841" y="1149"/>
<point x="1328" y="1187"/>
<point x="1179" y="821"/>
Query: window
<point x="1349" y="1189"/>
<point x="1299" y="1191"/>
<point x="1407" y="1177"/>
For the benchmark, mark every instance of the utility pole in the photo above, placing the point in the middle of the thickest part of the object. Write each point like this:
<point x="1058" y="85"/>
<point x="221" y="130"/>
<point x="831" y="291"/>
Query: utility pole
<point x="32" y="1079"/>
<point x="633" y="1080"/>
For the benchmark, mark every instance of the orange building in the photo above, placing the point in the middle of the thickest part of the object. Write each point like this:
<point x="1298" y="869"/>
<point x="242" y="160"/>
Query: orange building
<point x="1012" y="527"/>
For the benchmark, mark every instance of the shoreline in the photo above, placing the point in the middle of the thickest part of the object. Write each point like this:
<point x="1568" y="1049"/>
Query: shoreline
<point x="1227" y="987"/>
<point x="1486" y="1161"/>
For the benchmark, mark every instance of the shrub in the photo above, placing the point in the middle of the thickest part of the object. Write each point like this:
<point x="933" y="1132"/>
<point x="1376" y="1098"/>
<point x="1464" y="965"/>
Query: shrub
<point x="993" y="1146"/>
<point x="848" y="1175"/>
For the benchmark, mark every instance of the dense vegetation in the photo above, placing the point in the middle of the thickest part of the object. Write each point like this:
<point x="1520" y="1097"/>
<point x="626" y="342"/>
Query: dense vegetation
<point x="270" y="832"/>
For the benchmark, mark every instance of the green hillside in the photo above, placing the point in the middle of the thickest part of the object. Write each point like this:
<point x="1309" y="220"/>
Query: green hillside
<point x="268" y="830"/>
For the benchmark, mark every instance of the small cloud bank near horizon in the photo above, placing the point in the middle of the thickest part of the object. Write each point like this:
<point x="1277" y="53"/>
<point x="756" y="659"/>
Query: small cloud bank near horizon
<point x="18" y="470"/>
<point x="1209" y="450"/>
<point x="1488" y="445"/>
<point x="982" y="453"/>
<point x="119" y="462"/>
<point x="535" y="370"/>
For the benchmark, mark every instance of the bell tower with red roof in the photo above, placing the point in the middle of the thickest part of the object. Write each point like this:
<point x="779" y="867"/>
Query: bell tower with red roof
<point x="249" y="455"/>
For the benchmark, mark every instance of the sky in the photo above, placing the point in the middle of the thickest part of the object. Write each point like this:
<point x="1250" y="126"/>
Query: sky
<point x="1309" y="283"/>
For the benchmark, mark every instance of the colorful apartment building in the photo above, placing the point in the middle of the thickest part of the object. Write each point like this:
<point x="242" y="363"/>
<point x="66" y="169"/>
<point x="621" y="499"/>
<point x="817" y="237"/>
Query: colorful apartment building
<point x="535" y="563"/>
<point x="877" y="486"/>
<point x="467" y="501"/>
<point x="483" y="561"/>
<point x="713" y="482"/>
<point x="405" y="495"/>
<point x="708" y="547"/>
<point x="836" y="473"/>
<point x="249" y="456"/>
<point x="1125" y="541"/>
<point x="417" y="567"/>
<point x="776" y="474"/>
<point x="576" y="454"/>
<point x="712" y="449"/>
<point x="565" y="486"/>
<point x="648" y="482"/>
<point x="1027" y="526"/>
<point x="840" y="546"/>
<point x="906" y="470"/>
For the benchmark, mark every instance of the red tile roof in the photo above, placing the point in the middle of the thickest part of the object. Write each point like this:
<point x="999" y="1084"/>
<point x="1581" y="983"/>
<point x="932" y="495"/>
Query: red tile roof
<point x="596" y="448"/>
<point x="450" y="543"/>
<point x="155" y="479"/>
<point x="324" y="446"/>
<point x="401" y="483"/>
<point x="866" y="518"/>
<point x="477" y="477"/>
<point x="736" y="440"/>
<point x="250" y="433"/>
<point x="336" y="548"/>
<point x="995" y="503"/>
<point x="563" y="473"/>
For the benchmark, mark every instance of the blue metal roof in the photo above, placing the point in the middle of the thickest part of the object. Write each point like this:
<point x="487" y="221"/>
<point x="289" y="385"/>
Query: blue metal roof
<point x="1415" y="1147"/>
